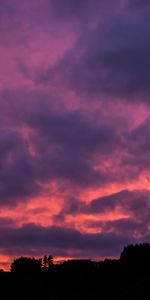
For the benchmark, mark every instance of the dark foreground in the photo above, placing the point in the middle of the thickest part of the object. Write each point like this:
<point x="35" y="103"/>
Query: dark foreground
<point x="126" y="278"/>
<point x="80" y="284"/>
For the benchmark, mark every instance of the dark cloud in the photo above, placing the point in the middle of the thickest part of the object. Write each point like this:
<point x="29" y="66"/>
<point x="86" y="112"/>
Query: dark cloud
<point x="66" y="145"/>
<point x="137" y="147"/>
<point x="11" y="21"/>
<point x="134" y="205"/>
<point x="76" y="141"/>
<point x="114" y="62"/>
<point x="130" y="202"/>
<point x="69" y="8"/>
<point x="83" y="11"/>
<point x="41" y="143"/>
<point x="138" y="139"/>
<point x="137" y="227"/>
<point x="73" y="130"/>
<point x="137" y="4"/>
<point x="6" y="222"/>
<point x="131" y="227"/>
<point x="31" y="239"/>
<point x="7" y="8"/>
<point x="111" y="59"/>
<point x="16" y="173"/>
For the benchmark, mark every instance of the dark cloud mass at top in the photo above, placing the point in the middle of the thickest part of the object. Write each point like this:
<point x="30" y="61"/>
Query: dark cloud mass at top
<point x="69" y="8"/>
<point x="114" y="62"/>
<point x="139" y="4"/>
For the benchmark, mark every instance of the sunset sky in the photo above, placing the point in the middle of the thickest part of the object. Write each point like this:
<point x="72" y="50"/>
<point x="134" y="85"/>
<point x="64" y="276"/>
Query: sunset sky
<point x="74" y="127"/>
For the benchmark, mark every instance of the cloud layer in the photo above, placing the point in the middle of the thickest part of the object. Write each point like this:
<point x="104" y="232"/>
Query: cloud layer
<point x="74" y="127"/>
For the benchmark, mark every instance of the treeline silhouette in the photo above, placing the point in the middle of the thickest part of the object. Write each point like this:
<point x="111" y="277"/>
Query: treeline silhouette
<point x="31" y="265"/>
<point x="125" y="278"/>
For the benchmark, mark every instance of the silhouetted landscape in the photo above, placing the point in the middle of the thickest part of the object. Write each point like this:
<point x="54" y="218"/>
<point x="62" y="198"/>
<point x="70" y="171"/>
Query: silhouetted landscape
<point x="125" y="278"/>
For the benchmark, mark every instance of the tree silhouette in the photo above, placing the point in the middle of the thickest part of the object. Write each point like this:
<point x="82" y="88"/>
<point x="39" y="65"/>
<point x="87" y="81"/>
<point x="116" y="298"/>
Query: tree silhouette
<point x="50" y="261"/>
<point x="136" y="257"/>
<point x="47" y="262"/>
<point x="26" y="265"/>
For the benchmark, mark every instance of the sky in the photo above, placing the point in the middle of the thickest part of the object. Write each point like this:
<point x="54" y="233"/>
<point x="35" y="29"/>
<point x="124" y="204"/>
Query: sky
<point x="74" y="127"/>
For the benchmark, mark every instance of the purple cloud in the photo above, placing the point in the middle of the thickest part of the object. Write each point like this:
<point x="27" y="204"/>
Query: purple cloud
<point x="113" y="62"/>
<point x="32" y="240"/>
<point x="65" y="145"/>
<point x="129" y="201"/>
<point x="134" y="205"/>
<point x="74" y="103"/>
<point x="137" y="4"/>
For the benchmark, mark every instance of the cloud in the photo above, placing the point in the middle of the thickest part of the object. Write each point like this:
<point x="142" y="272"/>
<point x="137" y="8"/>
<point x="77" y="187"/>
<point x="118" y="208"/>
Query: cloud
<point x="69" y="8"/>
<point x="110" y="57"/>
<point x="46" y="142"/>
<point x="130" y="202"/>
<point x="6" y="223"/>
<point x="74" y="98"/>
<point x="40" y="143"/>
<point x="132" y="208"/>
<point x="112" y="62"/>
<point x="134" y="205"/>
<point x="137" y="148"/>
<point x="83" y="11"/>
<point x="31" y="239"/>
<point x="134" y="227"/>
<point x="35" y="240"/>
<point x="137" y="4"/>
<point x="17" y="173"/>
